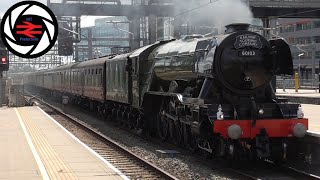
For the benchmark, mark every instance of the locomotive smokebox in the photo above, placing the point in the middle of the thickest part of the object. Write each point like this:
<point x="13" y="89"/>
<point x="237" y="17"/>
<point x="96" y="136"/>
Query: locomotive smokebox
<point x="231" y="28"/>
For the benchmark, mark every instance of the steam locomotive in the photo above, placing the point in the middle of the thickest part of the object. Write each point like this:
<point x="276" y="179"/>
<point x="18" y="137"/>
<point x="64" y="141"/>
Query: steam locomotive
<point x="209" y="93"/>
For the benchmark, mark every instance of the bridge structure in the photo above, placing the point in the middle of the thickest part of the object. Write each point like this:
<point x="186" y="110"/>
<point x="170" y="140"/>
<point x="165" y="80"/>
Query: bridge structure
<point x="273" y="9"/>
<point x="285" y="8"/>
<point x="144" y="18"/>
<point x="142" y="13"/>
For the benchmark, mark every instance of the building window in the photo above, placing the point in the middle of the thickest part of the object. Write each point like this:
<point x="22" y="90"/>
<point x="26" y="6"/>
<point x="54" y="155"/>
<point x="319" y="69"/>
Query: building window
<point x="290" y="40"/>
<point x="306" y="26"/>
<point x="316" y="24"/>
<point x="299" y="27"/>
<point x="316" y="39"/>
<point x="291" y="28"/>
<point x="317" y="55"/>
<point x="281" y="30"/>
<point x="308" y="40"/>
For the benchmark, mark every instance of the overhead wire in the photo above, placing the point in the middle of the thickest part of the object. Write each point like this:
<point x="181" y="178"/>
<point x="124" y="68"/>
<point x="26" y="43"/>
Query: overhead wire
<point x="201" y="6"/>
<point x="188" y="11"/>
<point x="289" y="14"/>
<point x="177" y="15"/>
<point x="210" y="2"/>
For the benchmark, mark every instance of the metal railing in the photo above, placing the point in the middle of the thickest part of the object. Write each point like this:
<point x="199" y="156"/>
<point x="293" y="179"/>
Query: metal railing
<point x="303" y="84"/>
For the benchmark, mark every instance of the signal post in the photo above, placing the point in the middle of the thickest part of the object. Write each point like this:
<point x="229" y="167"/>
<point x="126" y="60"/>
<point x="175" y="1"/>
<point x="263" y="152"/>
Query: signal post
<point x="4" y="66"/>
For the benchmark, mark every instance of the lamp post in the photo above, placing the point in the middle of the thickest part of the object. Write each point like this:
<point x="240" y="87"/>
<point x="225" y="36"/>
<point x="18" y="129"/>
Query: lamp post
<point x="298" y="46"/>
<point x="313" y="50"/>
<point x="299" y="65"/>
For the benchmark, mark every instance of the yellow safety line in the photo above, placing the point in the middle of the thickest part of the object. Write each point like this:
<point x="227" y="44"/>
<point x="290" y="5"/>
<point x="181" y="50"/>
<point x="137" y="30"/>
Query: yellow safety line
<point x="310" y="125"/>
<point x="42" y="169"/>
<point x="55" y="165"/>
<point x="103" y="161"/>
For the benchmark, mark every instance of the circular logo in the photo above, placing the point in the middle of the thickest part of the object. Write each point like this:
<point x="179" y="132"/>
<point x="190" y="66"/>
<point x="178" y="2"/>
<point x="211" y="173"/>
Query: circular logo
<point x="29" y="29"/>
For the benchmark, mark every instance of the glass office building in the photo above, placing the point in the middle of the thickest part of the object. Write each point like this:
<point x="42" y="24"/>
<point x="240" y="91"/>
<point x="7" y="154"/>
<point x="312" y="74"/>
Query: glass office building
<point x="109" y="35"/>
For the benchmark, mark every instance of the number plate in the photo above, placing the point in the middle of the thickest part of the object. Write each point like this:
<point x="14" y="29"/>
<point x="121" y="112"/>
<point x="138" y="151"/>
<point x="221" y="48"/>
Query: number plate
<point x="247" y="53"/>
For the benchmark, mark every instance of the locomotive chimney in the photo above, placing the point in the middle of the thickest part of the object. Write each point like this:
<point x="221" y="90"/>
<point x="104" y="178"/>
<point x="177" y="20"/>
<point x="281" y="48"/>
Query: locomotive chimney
<point x="236" y="27"/>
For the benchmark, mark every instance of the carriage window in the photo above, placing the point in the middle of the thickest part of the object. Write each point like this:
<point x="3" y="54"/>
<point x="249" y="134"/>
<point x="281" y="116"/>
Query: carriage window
<point x="116" y="76"/>
<point x="111" y="75"/>
<point x="119" y="76"/>
<point x="107" y="71"/>
<point x="101" y="77"/>
<point x="136" y="66"/>
<point x="87" y="78"/>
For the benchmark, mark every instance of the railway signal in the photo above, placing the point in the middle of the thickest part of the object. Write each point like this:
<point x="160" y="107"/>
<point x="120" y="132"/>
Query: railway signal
<point x="4" y="60"/>
<point x="65" y="40"/>
<point x="65" y="47"/>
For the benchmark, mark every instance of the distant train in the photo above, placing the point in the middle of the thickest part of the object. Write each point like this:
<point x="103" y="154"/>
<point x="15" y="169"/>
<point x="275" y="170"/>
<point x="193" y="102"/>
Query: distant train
<point x="211" y="94"/>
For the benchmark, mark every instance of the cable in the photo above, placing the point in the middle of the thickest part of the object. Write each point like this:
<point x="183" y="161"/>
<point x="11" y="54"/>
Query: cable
<point x="105" y="1"/>
<point x="289" y="14"/>
<point x="95" y="9"/>
<point x="211" y="1"/>
<point x="188" y="11"/>
<point x="182" y="13"/>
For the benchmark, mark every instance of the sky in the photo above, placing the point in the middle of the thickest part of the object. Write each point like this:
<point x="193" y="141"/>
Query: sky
<point x="6" y="4"/>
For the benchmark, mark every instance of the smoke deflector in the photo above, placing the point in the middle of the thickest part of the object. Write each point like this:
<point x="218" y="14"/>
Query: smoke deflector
<point x="282" y="57"/>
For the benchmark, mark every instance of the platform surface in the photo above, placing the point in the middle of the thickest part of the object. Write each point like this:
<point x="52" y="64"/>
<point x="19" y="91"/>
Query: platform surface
<point x="34" y="146"/>
<point x="300" y="93"/>
<point x="312" y="112"/>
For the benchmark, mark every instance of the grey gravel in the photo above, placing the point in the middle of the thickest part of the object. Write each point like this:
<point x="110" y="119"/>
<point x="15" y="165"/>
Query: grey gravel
<point x="184" y="166"/>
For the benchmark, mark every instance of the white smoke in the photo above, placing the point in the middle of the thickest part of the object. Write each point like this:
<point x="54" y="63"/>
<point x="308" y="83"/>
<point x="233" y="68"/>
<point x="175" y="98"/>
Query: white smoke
<point x="226" y="12"/>
<point x="219" y="13"/>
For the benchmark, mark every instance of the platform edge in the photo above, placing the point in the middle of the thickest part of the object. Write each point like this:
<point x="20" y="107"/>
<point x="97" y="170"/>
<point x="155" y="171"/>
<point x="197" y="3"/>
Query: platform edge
<point x="34" y="151"/>
<point x="87" y="147"/>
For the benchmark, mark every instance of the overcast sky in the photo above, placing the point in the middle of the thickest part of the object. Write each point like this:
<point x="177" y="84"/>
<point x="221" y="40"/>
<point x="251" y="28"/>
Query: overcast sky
<point x="6" y="4"/>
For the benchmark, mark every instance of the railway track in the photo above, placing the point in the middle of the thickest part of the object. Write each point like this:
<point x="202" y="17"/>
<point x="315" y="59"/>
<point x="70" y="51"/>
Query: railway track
<point x="269" y="170"/>
<point x="133" y="166"/>
<point x="266" y="171"/>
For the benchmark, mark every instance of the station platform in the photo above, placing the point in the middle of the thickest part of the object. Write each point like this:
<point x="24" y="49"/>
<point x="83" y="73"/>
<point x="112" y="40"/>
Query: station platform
<point x="312" y="112"/>
<point x="310" y="102"/>
<point x="306" y="96"/>
<point x="34" y="146"/>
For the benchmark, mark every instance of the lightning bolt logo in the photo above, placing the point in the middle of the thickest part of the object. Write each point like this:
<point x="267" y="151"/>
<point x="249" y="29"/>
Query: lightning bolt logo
<point x="29" y="29"/>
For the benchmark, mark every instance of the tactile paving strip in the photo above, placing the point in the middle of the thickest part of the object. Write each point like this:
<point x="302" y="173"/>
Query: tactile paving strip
<point x="54" y="164"/>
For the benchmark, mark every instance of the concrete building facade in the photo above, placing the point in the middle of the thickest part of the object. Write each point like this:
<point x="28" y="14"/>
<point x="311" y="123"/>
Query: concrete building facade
<point x="303" y="35"/>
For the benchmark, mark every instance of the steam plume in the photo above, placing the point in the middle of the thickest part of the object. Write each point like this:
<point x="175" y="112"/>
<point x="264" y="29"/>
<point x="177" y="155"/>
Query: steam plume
<point x="216" y="14"/>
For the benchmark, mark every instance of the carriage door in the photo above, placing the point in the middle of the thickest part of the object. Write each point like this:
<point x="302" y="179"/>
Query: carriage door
<point x="134" y="81"/>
